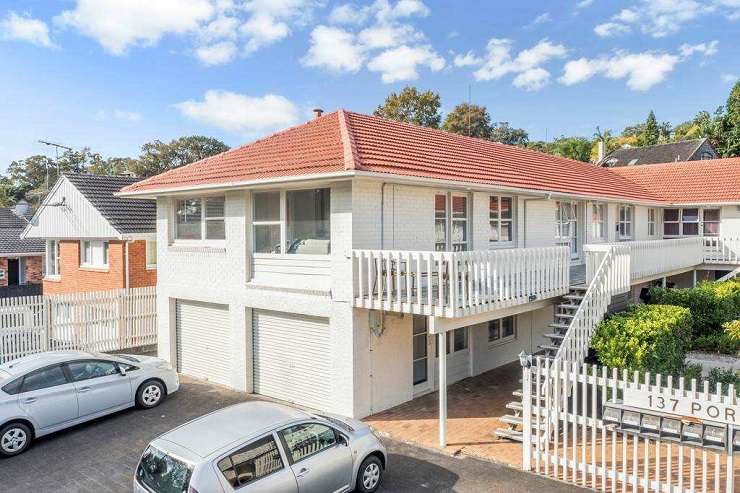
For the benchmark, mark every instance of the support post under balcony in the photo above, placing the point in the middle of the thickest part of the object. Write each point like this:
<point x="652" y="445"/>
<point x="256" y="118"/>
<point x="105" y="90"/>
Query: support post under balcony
<point x="442" y="345"/>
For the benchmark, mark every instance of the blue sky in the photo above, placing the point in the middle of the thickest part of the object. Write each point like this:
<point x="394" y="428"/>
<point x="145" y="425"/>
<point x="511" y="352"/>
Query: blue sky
<point x="113" y="74"/>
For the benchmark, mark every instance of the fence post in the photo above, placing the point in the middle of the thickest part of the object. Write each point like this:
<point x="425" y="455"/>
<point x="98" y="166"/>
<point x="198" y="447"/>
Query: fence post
<point x="46" y="321"/>
<point x="526" y="411"/>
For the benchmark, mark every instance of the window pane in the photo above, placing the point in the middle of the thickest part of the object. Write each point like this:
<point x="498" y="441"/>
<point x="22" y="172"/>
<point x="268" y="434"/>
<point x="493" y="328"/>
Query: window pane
<point x="440" y="206"/>
<point x="670" y="215"/>
<point x="460" y="341"/>
<point x="493" y="233"/>
<point x="43" y="379"/>
<point x="215" y="207"/>
<point x="267" y="206"/>
<point x="162" y="473"/>
<point x="215" y="229"/>
<point x="711" y="229"/>
<point x="254" y="461"/>
<point x="459" y="207"/>
<point x="420" y="371"/>
<point x="691" y="229"/>
<point x="506" y="231"/>
<point x="307" y="439"/>
<point x="440" y="233"/>
<point x="420" y="325"/>
<point x="711" y="214"/>
<point x="151" y="252"/>
<point x="493" y="210"/>
<point x="670" y="229"/>
<point x="494" y="330"/>
<point x="267" y="238"/>
<point x="459" y="232"/>
<point x="506" y="211"/>
<point x="507" y="326"/>
<point x="690" y="215"/>
<point x="188" y="219"/>
<point x="83" y="370"/>
<point x="420" y="346"/>
<point x="308" y="224"/>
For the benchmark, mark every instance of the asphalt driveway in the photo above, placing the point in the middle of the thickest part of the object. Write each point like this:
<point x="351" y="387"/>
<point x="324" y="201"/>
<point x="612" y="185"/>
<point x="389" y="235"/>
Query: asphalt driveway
<point x="101" y="456"/>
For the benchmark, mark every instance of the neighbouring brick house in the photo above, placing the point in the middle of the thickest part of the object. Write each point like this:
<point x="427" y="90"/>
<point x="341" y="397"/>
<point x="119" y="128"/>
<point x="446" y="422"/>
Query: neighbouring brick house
<point x="95" y="240"/>
<point x="21" y="260"/>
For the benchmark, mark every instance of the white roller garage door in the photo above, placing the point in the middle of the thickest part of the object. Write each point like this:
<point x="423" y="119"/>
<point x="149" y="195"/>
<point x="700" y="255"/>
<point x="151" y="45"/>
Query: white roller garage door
<point x="292" y="358"/>
<point x="203" y="341"/>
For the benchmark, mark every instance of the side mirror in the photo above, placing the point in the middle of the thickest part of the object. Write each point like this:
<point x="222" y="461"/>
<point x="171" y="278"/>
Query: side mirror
<point x="342" y="440"/>
<point x="122" y="370"/>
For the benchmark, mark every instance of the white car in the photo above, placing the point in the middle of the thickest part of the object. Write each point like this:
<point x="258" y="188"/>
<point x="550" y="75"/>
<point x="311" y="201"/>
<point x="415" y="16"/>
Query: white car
<point x="47" y="392"/>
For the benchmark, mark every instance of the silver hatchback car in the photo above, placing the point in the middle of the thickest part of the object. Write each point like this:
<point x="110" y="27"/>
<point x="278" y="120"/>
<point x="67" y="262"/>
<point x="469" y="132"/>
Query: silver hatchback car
<point x="263" y="447"/>
<point x="46" y="392"/>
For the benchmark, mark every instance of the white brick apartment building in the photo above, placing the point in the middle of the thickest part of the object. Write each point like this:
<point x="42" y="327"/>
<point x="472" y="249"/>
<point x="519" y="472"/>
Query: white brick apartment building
<point x="325" y="264"/>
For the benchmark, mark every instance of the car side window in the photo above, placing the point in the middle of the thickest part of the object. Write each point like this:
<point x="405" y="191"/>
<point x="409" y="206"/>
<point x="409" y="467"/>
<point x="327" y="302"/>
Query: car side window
<point x="87" y="369"/>
<point x="250" y="463"/>
<point x="13" y="387"/>
<point x="306" y="439"/>
<point x="44" y="378"/>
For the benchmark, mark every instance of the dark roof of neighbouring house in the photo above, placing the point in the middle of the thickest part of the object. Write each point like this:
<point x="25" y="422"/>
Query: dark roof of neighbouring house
<point x="659" y="153"/>
<point x="343" y="142"/>
<point x="11" y="227"/>
<point x="127" y="216"/>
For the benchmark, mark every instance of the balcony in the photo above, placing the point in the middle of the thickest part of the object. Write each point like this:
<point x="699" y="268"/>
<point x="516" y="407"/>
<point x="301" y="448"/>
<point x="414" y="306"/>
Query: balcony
<point x="457" y="284"/>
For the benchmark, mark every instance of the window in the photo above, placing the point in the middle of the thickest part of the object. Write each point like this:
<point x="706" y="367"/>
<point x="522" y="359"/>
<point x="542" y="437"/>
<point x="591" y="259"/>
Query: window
<point x="672" y="222"/>
<point x="501" y="219"/>
<point x="151" y="254"/>
<point x="420" y="349"/>
<point x="201" y="218"/>
<point x="502" y="330"/>
<point x="451" y="222"/>
<point x="52" y="258"/>
<point x="85" y="370"/>
<point x="294" y="222"/>
<point x="690" y="222"/>
<point x="44" y="378"/>
<point x="94" y="253"/>
<point x="255" y="461"/>
<point x="711" y="222"/>
<point x="625" y="222"/>
<point x="440" y="223"/>
<point x="457" y="340"/>
<point x="598" y="221"/>
<point x="307" y="439"/>
<point x="652" y="222"/>
<point x="162" y="473"/>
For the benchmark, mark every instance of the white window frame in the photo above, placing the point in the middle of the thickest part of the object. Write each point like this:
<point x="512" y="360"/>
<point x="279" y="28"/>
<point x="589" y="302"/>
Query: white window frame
<point x="601" y="220"/>
<point x="151" y="254"/>
<point x="94" y="245"/>
<point x="500" y="221"/>
<point x="450" y="220"/>
<point x="202" y="241"/>
<point x="652" y="222"/>
<point x="52" y="262"/>
<point x="702" y="228"/>
<point x="502" y="339"/>
<point x="283" y="223"/>
<point x="451" y="342"/>
<point x="700" y="221"/>
<point x="626" y="222"/>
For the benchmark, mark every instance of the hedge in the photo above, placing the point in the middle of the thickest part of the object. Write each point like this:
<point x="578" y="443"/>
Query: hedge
<point x="712" y="304"/>
<point x="645" y="338"/>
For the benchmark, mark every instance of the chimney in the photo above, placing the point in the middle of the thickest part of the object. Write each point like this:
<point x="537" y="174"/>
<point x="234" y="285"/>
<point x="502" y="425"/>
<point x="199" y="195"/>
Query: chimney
<point x="601" y="150"/>
<point x="318" y="112"/>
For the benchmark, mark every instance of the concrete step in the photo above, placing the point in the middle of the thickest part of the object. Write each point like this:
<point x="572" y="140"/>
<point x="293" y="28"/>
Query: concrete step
<point x="514" y="435"/>
<point x="518" y="421"/>
<point x="579" y="287"/>
<point x="559" y="326"/>
<point x="556" y="336"/>
<point x="549" y="347"/>
<point x="565" y="315"/>
<point x="574" y="297"/>
<point x="515" y="406"/>
<point x="569" y="306"/>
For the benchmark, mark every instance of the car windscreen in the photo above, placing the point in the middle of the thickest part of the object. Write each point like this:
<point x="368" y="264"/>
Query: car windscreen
<point x="162" y="473"/>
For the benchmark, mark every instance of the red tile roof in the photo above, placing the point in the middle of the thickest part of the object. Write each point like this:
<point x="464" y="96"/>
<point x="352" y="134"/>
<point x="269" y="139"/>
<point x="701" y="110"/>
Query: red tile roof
<point x="344" y="141"/>
<point x="689" y="182"/>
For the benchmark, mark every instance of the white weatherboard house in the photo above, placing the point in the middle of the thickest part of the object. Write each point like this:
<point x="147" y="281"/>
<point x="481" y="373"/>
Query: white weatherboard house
<point x="332" y="263"/>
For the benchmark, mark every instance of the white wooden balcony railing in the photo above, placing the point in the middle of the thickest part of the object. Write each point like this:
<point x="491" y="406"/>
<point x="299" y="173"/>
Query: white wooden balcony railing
<point x="721" y="250"/>
<point x="454" y="284"/>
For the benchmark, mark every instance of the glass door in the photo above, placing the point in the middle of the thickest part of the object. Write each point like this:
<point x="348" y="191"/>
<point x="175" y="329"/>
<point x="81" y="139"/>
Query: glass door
<point x="420" y="338"/>
<point x="566" y="221"/>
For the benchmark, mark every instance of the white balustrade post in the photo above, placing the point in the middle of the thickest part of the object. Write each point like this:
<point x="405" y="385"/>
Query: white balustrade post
<point x="442" y="356"/>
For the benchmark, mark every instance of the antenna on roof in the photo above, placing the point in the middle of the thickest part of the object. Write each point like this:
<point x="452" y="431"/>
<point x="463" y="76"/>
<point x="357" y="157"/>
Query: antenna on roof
<point x="56" y="149"/>
<point x="470" y="102"/>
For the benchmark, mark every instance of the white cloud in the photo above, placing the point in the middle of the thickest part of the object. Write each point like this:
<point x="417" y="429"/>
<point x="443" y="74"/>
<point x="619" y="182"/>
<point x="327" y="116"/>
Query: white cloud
<point x="402" y="63"/>
<point x="541" y="19"/>
<point x="334" y="49"/>
<point x="582" y="4"/>
<point x="641" y="70"/>
<point x="349" y="14"/>
<point x="217" y="53"/>
<point x="706" y="49"/>
<point x="130" y="116"/>
<point x="626" y="15"/>
<point x="731" y="8"/>
<point x="730" y="78"/>
<point x="388" y="35"/>
<point x="386" y="12"/>
<point x="242" y="114"/>
<point x="262" y="30"/>
<point x="610" y="29"/>
<point x="24" y="28"/>
<point x="527" y="65"/>
<point x="467" y="60"/>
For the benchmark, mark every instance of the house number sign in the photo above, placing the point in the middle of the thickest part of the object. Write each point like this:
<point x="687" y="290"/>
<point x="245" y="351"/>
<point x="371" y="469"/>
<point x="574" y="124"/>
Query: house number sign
<point x="683" y="406"/>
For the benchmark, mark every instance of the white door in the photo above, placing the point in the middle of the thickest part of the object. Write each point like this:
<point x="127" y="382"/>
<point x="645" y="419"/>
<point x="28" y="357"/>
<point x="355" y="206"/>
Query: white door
<point x="203" y="341"/>
<point x="292" y="358"/>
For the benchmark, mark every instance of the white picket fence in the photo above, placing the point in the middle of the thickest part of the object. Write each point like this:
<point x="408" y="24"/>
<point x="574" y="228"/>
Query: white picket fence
<point x="95" y="321"/>
<point x="565" y="437"/>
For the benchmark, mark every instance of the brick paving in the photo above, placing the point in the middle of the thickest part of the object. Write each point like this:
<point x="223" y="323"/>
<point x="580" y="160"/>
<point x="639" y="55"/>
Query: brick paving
<point x="474" y="406"/>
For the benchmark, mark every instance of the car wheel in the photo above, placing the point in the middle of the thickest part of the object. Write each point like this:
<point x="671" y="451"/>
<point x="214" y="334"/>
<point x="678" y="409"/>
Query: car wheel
<point x="369" y="475"/>
<point x="15" y="438"/>
<point x="150" y="394"/>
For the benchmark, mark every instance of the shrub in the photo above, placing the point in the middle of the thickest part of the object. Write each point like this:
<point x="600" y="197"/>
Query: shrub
<point x="646" y="338"/>
<point x="725" y="377"/>
<point x="719" y="342"/>
<point x="692" y="371"/>
<point x="711" y="304"/>
<point x="732" y="330"/>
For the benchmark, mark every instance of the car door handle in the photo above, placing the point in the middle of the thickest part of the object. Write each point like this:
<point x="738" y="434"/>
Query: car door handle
<point x="29" y="400"/>
<point x="302" y="472"/>
<point x="83" y="389"/>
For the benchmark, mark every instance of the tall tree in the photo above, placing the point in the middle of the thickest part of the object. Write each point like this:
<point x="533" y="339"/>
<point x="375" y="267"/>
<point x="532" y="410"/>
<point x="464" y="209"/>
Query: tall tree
<point x="509" y="135"/>
<point x="578" y="148"/>
<point x="650" y="132"/>
<point x="412" y="106"/>
<point x="733" y="105"/>
<point x="469" y="119"/>
<point x="157" y="156"/>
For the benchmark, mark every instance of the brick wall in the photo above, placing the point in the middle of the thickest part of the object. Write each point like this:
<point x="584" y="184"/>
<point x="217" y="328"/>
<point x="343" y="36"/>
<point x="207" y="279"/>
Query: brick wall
<point x="75" y="279"/>
<point x="34" y="270"/>
<point x="4" y="266"/>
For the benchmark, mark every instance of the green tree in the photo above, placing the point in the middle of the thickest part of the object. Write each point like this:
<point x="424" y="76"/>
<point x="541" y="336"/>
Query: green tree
<point x="157" y="156"/>
<point x="733" y="106"/>
<point x="578" y="148"/>
<point x="509" y="135"/>
<point x="412" y="106"/>
<point x="469" y="119"/>
<point x="650" y="132"/>
<point x="113" y="166"/>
